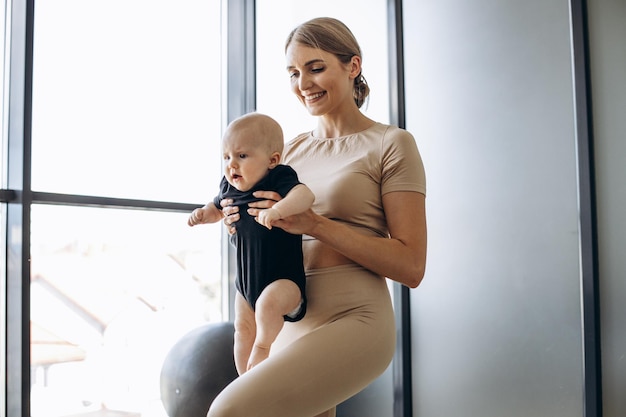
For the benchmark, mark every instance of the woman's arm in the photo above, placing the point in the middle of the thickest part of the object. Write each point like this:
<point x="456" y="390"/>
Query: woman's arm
<point x="402" y="257"/>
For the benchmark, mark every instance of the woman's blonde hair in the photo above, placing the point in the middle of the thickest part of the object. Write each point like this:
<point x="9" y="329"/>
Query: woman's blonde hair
<point x="332" y="36"/>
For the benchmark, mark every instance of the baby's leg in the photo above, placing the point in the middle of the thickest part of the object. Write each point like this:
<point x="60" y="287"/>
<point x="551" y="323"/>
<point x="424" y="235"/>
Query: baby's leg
<point x="278" y="299"/>
<point x="245" y="332"/>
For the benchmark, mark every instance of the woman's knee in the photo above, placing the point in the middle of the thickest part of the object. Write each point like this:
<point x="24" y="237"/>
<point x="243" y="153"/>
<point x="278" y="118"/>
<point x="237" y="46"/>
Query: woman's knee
<point x="221" y="408"/>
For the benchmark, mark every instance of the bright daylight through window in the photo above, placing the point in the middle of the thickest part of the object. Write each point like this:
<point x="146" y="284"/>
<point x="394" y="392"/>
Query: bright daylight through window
<point x="124" y="106"/>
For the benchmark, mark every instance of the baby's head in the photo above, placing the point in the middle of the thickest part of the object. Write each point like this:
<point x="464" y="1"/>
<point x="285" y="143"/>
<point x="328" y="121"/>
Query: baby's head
<point x="252" y="145"/>
<point x="257" y="130"/>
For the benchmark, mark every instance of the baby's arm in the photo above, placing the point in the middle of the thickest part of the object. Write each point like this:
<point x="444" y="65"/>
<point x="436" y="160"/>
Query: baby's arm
<point x="207" y="214"/>
<point x="299" y="199"/>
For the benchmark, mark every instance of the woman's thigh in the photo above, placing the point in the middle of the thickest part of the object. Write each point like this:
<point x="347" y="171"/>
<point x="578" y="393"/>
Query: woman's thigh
<point x="344" y="342"/>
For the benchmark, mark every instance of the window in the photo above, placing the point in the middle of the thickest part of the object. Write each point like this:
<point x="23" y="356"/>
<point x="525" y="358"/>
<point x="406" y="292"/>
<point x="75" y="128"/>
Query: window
<point x="126" y="98"/>
<point x="126" y="125"/>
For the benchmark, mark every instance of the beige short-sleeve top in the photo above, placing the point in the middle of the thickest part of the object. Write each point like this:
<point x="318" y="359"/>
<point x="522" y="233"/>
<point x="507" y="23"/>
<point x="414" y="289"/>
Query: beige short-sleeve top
<point x="350" y="174"/>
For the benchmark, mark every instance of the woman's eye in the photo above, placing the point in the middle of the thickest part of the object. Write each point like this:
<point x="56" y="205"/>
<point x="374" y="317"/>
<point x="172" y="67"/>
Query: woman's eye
<point x="320" y="69"/>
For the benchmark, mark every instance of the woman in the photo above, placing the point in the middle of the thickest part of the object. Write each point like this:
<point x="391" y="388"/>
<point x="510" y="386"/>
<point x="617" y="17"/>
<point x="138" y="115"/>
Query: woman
<point x="368" y="222"/>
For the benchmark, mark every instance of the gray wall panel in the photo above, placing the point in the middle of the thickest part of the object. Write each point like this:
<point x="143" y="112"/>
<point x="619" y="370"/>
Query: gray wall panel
<point x="496" y="322"/>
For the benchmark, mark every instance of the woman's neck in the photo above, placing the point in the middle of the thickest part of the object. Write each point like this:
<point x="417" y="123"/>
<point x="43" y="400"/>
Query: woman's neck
<point x="334" y="127"/>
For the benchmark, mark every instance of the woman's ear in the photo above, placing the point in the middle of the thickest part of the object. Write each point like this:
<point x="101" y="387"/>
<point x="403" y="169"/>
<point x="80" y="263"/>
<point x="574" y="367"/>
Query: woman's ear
<point x="274" y="160"/>
<point x="355" y="66"/>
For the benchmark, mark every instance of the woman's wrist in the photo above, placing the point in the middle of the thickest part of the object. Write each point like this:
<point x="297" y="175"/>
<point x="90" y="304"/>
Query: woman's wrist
<point x="318" y="226"/>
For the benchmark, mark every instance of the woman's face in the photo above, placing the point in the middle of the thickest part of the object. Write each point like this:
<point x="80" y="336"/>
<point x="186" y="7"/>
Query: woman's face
<point x="320" y="81"/>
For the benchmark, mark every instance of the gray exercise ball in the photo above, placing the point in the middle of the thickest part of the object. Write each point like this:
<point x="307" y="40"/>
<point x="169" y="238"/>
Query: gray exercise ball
<point x="196" y="369"/>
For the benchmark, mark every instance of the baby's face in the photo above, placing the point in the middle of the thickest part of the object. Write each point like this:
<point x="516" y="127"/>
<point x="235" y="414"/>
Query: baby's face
<point x="247" y="161"/>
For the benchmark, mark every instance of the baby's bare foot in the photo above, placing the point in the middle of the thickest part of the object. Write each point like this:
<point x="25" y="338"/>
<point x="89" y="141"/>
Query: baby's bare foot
<point x="258" y="355"/>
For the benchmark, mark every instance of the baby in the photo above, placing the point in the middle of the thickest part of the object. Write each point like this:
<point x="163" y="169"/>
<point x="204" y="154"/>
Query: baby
<point x="270" y="273"/>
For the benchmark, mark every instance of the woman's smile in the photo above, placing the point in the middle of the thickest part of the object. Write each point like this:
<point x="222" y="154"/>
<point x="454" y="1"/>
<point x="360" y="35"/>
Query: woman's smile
<point x="312" y="97"/>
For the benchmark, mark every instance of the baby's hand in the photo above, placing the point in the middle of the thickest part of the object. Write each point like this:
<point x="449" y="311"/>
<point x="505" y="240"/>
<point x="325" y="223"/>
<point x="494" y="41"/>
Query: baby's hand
<point x="267" y="216"/>
<point x="196" y="217"/>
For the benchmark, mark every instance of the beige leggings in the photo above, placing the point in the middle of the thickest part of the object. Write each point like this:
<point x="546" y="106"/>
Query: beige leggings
<point x="344" y="342"/>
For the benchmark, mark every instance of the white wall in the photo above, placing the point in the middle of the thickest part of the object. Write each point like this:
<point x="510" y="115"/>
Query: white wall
<point x="496" y="323"/>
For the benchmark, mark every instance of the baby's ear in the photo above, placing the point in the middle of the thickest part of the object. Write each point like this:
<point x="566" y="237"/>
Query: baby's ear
<point x="274" y="160"/>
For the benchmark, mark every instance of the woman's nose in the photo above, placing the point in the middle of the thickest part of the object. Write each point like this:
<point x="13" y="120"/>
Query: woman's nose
<point x="304" y="82"/>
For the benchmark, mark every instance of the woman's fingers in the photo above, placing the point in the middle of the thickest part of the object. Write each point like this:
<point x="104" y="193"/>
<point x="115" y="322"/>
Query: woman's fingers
<point x="231" y="219"/>
<point x="230" y="222"/>
<point x="226" y="202"/>
<point x="263" y="204"/>
<point x="230" y="211"/>
<point x="231" y="215"/>
<point x="268" y="198"/>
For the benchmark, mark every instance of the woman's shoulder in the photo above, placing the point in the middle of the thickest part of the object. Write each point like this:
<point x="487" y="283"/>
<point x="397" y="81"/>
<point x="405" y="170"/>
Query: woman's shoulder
<point x="393" y="131"/>
<point x="389" y="136"/>
<point x="299" y="138"/>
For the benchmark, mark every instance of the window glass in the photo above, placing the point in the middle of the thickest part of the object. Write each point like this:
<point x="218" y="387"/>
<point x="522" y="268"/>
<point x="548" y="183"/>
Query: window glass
<point x="126" y="104"/>
<point x="365" y="18"/>
<point x="111" y="293"/>
<point x="3" y="98"/>
<point x="126" y="98"/>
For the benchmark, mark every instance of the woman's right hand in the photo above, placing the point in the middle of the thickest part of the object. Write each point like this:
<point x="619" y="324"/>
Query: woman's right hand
<point x="300" y="224"/>
<point x="231" y="215"/>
